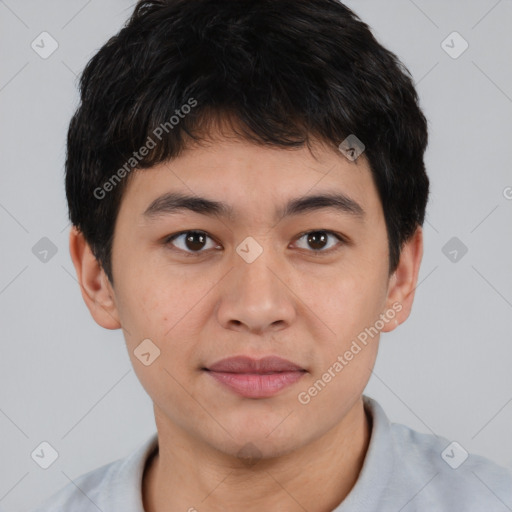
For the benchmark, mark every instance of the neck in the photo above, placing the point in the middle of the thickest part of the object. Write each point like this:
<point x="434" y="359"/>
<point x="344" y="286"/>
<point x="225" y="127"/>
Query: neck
<point x="183" y="475"/>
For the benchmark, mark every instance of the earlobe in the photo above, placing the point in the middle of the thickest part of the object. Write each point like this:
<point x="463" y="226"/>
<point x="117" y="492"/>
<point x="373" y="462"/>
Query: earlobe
<point x="403" y="282"/>
<point x="96" y="289"/>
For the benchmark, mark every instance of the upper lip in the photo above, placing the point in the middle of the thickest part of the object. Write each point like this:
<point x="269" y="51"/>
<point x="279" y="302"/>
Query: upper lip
<point x="244" y="364"/>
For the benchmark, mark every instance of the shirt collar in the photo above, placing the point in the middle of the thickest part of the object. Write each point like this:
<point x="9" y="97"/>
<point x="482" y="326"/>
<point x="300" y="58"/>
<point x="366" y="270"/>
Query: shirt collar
<point x="378" y="465"/>
<point x="365" y="496"/>
<point x="125" y="491"/>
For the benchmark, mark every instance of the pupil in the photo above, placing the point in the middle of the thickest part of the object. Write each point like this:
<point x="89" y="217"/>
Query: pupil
<point x="314" y="238"/>
<point x="192" y="242"/>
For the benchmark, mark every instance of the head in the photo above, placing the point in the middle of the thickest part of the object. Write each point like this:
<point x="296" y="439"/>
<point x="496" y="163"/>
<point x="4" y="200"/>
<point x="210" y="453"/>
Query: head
<point x="246" y="103"/>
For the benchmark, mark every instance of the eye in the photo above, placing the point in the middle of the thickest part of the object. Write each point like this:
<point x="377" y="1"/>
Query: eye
<point x="192" y="242"/>
<point x="318" y="240"/>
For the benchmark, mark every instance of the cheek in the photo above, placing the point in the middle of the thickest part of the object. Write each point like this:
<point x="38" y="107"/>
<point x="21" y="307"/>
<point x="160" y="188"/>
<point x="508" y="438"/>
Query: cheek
<point x="140" y="313"/>
<point x="161" y="314"/>
<point x="348" y="349"/>
<point x="348" y="301"/>
<point x="167" y="310"/>
<point x="148" y="292"/>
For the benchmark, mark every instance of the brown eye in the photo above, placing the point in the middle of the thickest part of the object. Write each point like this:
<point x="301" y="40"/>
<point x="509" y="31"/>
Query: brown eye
<point x="195" y="241"/>
<point x="190" y="242"/>
<point x="317" y="241"/>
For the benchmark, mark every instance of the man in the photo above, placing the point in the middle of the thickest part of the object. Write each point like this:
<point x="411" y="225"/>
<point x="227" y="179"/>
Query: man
<point x="246" y="184"/>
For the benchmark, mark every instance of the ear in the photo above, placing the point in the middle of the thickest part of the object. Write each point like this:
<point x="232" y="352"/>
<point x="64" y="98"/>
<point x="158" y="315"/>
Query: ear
<point x="97" y="290"/>
<point x="402" y="283"/>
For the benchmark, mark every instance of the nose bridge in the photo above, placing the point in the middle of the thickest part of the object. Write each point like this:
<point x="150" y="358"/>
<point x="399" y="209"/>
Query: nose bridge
<point x="256" y="296"/>
<point x="257" y="267"/>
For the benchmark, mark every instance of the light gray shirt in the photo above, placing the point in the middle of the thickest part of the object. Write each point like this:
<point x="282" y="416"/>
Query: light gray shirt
<point x="403" y="470"/>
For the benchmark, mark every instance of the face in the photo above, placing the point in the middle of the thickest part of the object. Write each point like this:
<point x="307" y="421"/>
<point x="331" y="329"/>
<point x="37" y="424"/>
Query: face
<point x="291" y="293"/>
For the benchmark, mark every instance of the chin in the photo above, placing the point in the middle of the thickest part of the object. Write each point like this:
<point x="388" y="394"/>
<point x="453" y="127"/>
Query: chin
<point x="255" y="441"/>
<point x="251" y="450"/>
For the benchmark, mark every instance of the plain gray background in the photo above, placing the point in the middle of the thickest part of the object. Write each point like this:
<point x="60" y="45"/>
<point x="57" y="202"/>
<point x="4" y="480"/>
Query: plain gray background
<point x="65" y="380"/>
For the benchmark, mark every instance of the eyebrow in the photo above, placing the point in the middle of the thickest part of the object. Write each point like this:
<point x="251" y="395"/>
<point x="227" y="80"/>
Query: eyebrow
<point x="175" y="202"/>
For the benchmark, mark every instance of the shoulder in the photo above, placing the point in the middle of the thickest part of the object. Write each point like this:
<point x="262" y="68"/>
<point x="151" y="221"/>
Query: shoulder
<point x="444" y="472"/>
<point x="83" y="494"/>
<point x="412" y="471"/>
<point x="114" y="486"/>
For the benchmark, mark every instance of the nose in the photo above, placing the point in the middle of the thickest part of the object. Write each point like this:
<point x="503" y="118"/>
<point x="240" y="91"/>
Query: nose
<point x="256" y="297"/>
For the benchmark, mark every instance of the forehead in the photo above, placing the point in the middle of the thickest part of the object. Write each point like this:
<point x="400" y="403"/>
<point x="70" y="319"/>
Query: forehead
<point x="250" y="179"/>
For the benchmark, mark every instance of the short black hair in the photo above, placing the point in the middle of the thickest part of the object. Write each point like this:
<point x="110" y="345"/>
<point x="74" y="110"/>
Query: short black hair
<point x="288" y="72"/>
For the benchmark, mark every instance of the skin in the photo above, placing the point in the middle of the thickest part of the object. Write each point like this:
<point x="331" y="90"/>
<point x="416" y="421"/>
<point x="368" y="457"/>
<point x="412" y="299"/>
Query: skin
<point x="288" y="302"/>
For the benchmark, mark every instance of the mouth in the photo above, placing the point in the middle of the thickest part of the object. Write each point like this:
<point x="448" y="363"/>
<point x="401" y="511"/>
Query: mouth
<point x="255" y="378"/>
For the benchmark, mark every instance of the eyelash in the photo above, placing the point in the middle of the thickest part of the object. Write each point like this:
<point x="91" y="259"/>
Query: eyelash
<point x="169" y="239"/>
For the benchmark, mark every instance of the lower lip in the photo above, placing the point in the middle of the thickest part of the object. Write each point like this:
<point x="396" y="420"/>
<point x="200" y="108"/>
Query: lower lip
<point x="252" y="385"/>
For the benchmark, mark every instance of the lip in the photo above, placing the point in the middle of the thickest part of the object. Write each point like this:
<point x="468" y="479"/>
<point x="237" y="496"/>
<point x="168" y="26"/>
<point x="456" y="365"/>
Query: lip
<point x="255" y="378"/>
